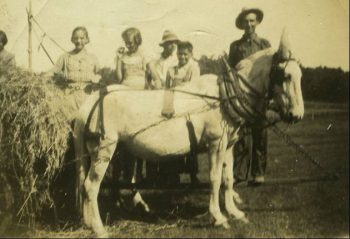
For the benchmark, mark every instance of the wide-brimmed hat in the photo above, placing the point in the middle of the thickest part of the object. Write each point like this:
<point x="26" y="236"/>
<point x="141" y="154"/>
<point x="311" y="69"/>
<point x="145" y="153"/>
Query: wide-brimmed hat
<point x="168" y="36"/>
<point x="245" y="12"/>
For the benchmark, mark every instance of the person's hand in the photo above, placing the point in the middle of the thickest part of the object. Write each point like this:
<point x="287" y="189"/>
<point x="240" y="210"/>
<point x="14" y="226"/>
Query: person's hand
<point x="96" y="79"/>
<point x="241" y="65"/>
<point x="120" y="52"/>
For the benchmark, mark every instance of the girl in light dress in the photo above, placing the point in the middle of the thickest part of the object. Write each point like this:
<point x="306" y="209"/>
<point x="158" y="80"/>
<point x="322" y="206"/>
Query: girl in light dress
<point x="131" y="71"/>
<point x="131" y="62"/>
<point x="78" y="68"/>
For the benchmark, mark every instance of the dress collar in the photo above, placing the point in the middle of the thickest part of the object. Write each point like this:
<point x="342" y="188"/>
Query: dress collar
<point x="82" y="52"/>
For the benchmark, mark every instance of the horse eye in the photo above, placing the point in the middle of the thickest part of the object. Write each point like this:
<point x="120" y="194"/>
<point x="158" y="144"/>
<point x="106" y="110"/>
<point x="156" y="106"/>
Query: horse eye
<point x="287" y="77"/>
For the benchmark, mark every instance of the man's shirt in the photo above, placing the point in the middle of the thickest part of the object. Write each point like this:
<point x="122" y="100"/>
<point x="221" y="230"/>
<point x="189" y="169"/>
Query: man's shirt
<point x="245" y="47"/>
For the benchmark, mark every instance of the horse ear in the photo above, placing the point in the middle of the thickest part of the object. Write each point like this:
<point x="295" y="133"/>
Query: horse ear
<point x="284" y="50"/>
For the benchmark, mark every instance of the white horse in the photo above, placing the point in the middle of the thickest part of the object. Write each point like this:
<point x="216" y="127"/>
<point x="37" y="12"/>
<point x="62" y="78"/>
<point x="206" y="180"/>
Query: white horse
<point x="215" y="108"/>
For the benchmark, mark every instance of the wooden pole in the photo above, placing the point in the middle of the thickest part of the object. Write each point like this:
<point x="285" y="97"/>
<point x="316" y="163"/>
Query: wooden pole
<point x="30" y="52"/>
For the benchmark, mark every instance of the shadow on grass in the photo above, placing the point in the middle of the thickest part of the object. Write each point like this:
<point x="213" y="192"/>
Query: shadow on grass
<point x="164" y="208"/>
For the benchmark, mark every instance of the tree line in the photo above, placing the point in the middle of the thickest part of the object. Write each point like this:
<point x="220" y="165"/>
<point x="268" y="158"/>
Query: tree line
<point x="325" y="84"/>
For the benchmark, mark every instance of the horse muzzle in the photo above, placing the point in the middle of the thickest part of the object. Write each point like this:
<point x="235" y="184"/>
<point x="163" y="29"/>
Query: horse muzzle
<point x="291" y="118"/>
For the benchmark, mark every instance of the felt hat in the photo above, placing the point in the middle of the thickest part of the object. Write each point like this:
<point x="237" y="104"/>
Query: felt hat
<point x="168" y="36"/>
<point x="245" y="11"/>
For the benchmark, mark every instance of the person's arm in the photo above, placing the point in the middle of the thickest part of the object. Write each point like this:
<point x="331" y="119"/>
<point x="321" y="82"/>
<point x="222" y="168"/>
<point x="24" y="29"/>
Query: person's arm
<point x="265" y="44"/>
<point x="155" y="78"/>
<point x="168" y="81"/>
<point x="96" y="66"/>
<point x="96" y="75"/>
<point x="268" y="44"/>
<point x="195" y="71"/>
<point x="57" y="68"/>
<point x="119" y="63"/>
<point x="233" y="57"/>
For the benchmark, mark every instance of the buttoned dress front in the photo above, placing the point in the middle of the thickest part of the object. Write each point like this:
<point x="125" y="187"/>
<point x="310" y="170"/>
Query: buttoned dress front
<point x="79" y="70"/>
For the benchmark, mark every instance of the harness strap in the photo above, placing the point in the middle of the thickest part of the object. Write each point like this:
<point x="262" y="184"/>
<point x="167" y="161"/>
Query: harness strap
<point x="232" y="102"/>
<point x="235" y="108"/>
<point x="89" y="134"/>
<point x="103" y="92"/>
<point x="99" y="102"/>
<point x="196" y="94"/>
<point x="237" y="91"/>
<point x="192" y="137"/>
<point x="240" y="97"/>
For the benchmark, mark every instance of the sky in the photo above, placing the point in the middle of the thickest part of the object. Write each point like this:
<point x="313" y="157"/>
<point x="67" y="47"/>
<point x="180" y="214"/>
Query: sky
<point x="318" y="29"/>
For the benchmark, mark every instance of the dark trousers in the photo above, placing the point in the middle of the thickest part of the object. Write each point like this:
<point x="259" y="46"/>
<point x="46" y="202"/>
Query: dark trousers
<point x="250" y="153"/>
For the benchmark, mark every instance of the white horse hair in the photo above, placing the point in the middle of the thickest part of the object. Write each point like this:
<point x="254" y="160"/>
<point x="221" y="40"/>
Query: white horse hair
<point x="134" y="117"/>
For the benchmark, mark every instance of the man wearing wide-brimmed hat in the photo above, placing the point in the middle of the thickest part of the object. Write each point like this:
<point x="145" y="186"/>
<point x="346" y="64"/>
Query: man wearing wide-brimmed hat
<point x="157" y="69"/>
<point x="250" y="151"/>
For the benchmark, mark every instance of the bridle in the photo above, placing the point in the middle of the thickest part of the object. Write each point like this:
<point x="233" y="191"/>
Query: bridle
<point x="277" y="74"/>
<point x="237" y="100"/>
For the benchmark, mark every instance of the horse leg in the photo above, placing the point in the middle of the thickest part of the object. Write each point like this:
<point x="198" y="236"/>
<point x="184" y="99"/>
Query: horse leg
<point x="137" y="198"/>
<point x="216" y="159"/>
<point x="81" y="164"/>
<point x="230" y="194"/>
<point x="92" y="184"/>
<point x="125" y="162"/>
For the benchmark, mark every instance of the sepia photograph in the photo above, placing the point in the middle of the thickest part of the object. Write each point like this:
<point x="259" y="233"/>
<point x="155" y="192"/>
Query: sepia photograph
<point x="174" y="119"/>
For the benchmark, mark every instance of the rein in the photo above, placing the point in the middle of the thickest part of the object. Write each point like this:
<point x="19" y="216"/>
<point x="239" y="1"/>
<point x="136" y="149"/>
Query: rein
<point x="233" y="94"/>
<point x="103" y="93"/>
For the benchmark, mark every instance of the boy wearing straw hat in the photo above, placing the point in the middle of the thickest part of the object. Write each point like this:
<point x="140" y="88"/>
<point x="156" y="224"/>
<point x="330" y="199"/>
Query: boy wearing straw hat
<point x="250" y="152"/>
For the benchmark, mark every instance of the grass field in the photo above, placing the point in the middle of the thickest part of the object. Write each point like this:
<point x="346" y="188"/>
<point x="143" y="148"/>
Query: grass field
<point x="318" y="208"/>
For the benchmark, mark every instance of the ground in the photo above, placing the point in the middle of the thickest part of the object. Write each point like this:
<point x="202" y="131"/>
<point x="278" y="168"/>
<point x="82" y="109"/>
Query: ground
<point x="283" y="207"/>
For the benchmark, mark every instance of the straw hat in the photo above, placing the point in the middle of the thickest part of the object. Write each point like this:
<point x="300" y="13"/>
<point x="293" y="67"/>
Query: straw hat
<point x="245" y="11"/>
<point x="168" y="36"/>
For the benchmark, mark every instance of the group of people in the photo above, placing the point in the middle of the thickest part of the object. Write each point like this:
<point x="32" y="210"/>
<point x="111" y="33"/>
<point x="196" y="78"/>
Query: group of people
<point x="175" y="66"/>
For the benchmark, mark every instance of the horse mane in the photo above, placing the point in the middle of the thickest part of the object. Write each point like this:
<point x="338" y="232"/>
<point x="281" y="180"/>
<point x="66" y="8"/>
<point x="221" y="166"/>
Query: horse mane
<point x="256" y="66"/>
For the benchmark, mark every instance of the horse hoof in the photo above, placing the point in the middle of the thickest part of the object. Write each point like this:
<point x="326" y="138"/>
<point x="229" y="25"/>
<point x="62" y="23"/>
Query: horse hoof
<point x="238" y="200"/>
<point x="142" y="208"/>
<point x="222" y="223"/>
<point x="147" y="208"/>
<point x="103" y="235"/>
<point x="225" y="225"/>
<point x="237" y="214"/>
<point x="244" y="219"/>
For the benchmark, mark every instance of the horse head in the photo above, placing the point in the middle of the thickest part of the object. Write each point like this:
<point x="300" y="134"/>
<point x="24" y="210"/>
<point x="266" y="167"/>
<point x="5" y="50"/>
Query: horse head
<point x="285" y="83"/>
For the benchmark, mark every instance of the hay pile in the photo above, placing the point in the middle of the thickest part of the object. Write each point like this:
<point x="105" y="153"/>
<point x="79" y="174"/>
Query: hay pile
<point x="35" y="123"/>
